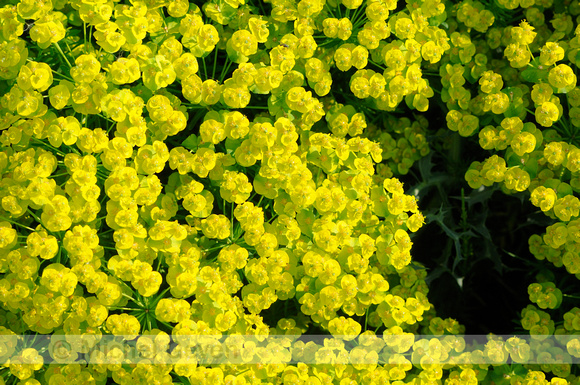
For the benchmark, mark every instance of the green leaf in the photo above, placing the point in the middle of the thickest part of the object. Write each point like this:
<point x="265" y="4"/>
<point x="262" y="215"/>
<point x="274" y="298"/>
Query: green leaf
<point x="436" y="273"/>
<point x="436" y="21"/>
<point x="501" y="374"/>
<point x="275" y="104"/>
<point x="531" y="166"/>
<point x="425" y="166"/>
<point x="516" y="104"/>
<point x="380" y="208"/>
<point x="563" y="190"/>
<point x="171" y="27"/>
<point x="534" y="74"/>
<point x="577" y="57"/>
<point x="409" y="101"/>
<point x="191" y="142"/>
<point x="232" y="144"/>
<point x="479" y="196"/>
<point x="486" y="120"/>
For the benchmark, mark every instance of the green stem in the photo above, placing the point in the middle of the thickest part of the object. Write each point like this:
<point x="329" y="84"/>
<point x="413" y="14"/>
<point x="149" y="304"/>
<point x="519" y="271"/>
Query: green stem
<point x="330" y="42"/>
<point x="366" y="318"/>
<point x="214" y="248"/>
<point x="231" y="220"/>
<point x="204" y="67"/>
<point x="251" y="198"/>
<point x="68" y="47"/>
<point x="272" y="218"/>
<point x="63" y="75"/>
<point x="165" y="324"/>
<point x="58" y="255"/>
<point x="158" y="263"/>
<point x="57" y="175"/>
<point x="37" y="219"/>
<point x="358" y="14"/>
<point x="16" y="223"/>
<point x="106" y="232"/>
<point x="62" y="54"/>
<point x="356" y="24"/>
<point x="148" y="320"/>
<point x="73" y="150"/>
<point x="102" y="175"/>
<point x="377" y="65"/>
<point x="215" y="50"/>
<point x="133" y="299"/>
<point x="193" y="106"/>
<point x="49" y="146"/>
<point x="107" y="119"/>
<point x="160" y="295"/>
<point x="261" y="7"/>
<point x="225" y="69"/>
<point x="329" y="10"/>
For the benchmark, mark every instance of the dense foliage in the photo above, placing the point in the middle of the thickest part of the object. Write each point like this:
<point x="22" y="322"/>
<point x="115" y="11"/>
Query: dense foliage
<point x="175" y="174"/>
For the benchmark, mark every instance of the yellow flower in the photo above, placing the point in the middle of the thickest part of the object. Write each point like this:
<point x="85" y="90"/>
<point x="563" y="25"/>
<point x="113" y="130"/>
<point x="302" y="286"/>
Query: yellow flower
<point x="216" y="226"/>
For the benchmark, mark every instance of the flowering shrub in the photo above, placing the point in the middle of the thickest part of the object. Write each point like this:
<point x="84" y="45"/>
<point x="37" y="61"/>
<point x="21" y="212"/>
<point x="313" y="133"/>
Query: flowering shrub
<point x="174" y="170"/>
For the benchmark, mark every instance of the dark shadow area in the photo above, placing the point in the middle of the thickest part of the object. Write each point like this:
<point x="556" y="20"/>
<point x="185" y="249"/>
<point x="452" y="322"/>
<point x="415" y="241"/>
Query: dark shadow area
<point x="487" y="289"/>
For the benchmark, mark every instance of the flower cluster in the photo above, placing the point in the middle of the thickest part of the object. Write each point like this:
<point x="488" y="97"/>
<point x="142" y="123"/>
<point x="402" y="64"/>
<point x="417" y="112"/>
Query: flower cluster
<point x="229" y="168"/>
<point x="519" y="96"/>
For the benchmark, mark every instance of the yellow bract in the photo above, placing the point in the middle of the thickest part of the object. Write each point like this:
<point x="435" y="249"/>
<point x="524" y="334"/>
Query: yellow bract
<point x="249" y="166"/>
